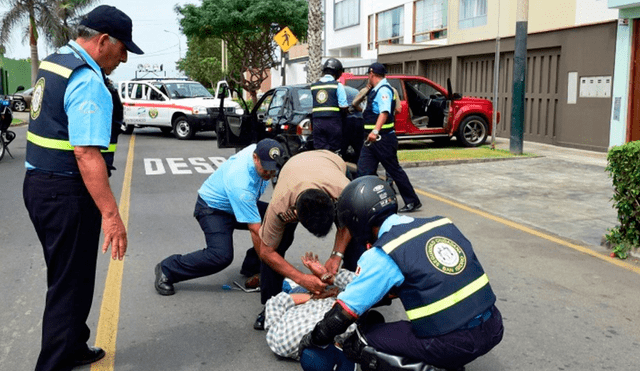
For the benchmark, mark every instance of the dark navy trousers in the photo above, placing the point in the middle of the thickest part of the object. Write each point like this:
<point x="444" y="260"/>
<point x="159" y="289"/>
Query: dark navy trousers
<point x="327" y="133"/>
<point x="218" y="227"/>
<point x="385" y="152"/>
<point x="68" y="224"/>
<point x="449" y="351"/>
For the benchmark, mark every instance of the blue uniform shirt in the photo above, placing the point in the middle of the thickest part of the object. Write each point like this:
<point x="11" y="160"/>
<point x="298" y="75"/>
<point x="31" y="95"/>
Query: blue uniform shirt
<point x="342" y="95"/>
<point x="87" y="103"/>
<point x="236" y="187"/>
<point x="383" y="99"/>
<point x="351" y="95"/>
<point x="377" y="273"/>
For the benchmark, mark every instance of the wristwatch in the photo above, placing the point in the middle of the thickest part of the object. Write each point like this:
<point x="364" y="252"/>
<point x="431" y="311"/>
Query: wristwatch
<point x="341" y="255"/>
<point x="375" y="132"/>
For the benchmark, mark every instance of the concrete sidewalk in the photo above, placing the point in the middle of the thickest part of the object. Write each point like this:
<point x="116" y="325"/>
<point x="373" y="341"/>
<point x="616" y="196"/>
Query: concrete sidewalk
<point x="564" y="192"/>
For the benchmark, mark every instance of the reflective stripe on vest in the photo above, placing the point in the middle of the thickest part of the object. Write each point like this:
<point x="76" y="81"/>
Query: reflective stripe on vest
<point x="56" y="68"/>
<point x="450" y="300"/>
<point x="59" y="144"/>
<point x="385" y="126"/>
<point x="393" y="244"/>
<point x="324" y="109"/>
<point x="329" y="86"/>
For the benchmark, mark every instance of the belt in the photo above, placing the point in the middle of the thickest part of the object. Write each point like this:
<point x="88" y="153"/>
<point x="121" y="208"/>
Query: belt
<point x="53" y="173"/>
<point x="478" y="320"/>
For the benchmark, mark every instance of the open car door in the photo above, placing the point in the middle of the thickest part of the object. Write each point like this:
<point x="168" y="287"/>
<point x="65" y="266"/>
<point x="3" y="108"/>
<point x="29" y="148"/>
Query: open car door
<point x="234" y="129"/>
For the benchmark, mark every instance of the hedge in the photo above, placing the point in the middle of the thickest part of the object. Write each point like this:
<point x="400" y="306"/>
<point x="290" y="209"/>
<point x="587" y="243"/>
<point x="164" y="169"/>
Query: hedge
<point x="624" y="169"/>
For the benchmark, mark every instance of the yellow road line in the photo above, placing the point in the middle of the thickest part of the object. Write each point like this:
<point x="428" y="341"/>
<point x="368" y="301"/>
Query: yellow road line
<point x="110" y="309"/>
<point x="531" y="231"/>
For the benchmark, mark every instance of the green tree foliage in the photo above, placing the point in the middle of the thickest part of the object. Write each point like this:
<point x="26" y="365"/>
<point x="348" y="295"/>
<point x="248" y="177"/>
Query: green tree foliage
<point x="203" y="61"/>
<point x="69" y="13"/>
<point x="248" y="28"/>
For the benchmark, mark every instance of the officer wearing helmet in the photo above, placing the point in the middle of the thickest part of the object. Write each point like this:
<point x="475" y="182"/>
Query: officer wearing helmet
<point x="434" y="271"/>
<point x="329" y="105"/>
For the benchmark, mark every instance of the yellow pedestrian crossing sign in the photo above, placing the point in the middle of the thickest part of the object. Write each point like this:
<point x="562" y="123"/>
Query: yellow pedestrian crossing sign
<point x="285" y="39"/>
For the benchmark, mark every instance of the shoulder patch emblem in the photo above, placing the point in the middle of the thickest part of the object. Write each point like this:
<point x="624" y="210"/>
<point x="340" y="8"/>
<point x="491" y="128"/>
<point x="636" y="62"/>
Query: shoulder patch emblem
<point x="88" y="107"/>
<point x="445" y="255"/>
<point x="36" y="100"/>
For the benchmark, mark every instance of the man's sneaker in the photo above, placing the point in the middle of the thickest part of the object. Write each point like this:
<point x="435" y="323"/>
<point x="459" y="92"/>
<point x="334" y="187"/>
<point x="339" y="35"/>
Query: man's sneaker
<point x="259" y="323"/>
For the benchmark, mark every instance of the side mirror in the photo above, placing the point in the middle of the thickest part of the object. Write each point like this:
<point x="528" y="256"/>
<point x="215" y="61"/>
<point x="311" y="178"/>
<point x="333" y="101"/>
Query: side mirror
<point x="20" y="88"/>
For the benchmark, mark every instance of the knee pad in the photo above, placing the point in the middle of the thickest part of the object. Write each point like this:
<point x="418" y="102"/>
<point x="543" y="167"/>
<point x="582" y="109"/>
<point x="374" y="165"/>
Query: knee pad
<point x="357" y="350"/>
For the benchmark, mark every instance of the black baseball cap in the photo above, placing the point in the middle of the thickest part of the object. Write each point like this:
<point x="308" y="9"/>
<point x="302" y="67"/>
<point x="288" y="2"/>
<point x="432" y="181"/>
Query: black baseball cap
<point x="112" y="21"/>
<point x="268" y="150"/>
<point x="378" y="69"/>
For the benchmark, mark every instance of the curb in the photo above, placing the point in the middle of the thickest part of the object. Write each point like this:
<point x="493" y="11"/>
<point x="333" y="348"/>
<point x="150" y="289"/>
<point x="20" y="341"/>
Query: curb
<point x="410" y="164"/>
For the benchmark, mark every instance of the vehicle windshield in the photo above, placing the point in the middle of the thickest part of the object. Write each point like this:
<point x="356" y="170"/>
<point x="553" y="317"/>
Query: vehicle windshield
<point x="180" y="90"/>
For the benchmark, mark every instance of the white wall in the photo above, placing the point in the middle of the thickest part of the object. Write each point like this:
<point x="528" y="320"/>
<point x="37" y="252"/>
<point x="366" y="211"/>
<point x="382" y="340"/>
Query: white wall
<point x="590" y="11"/>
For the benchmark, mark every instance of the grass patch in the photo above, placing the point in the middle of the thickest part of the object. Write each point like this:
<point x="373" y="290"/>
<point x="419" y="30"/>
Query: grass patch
<point x="455" y="153"/>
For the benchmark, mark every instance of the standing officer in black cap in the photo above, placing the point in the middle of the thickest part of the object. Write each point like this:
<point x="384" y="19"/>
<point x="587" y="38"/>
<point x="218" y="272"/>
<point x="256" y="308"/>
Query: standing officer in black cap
<point x="329" y="104"/>
<point x="70" y="146"/>
<point x="381" y="143"/>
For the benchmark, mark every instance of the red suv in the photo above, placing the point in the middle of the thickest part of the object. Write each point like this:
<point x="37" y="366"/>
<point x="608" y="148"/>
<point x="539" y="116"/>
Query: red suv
<point x="431" y="112"/>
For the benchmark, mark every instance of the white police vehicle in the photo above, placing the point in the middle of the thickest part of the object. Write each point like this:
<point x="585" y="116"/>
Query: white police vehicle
<point x="179" y="105"/>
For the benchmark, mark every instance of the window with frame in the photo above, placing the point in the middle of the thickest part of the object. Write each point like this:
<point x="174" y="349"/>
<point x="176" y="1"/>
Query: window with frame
<point x="473" y="13"/>
<point x="430" y="20"/>
<point x="390" y="26"/>
<point x="346" y="13"/>
<point x="277" y="101"/>
<point x="372" y="32"/>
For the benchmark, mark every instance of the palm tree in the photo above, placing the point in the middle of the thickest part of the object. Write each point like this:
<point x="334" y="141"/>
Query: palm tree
<point x="29" y="16"/>
<point x="69" y="14"/>
<point x="314" y="35"/>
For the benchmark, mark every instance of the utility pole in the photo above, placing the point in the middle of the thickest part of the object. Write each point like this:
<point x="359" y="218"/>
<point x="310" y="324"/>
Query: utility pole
<point x="519" y="77"/>
<point x="496" y="73"/>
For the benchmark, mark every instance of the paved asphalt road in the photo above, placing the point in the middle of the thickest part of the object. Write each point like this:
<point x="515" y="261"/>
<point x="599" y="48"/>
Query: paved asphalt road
<point x="564" y="308"/>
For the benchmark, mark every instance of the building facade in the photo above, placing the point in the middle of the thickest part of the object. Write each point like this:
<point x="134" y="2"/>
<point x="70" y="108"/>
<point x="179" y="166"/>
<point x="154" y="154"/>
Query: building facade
<point x="625" y="109"/>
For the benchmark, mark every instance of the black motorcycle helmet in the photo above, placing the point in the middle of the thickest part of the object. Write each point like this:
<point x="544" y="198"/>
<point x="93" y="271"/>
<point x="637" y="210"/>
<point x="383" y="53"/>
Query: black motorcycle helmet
<point x="332" y="67"/>
<point x="365" y="203"/>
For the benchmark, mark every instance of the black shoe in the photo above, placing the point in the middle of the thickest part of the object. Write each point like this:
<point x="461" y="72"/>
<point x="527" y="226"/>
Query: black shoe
<point x="163" y="286"/>
<point x="90" y="355"/>
<point x="410" y="207"/>
<point x="259" y="323"/>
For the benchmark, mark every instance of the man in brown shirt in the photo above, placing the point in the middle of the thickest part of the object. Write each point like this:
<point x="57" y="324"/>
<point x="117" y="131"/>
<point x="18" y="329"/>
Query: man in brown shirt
<point x="308" y="186"/>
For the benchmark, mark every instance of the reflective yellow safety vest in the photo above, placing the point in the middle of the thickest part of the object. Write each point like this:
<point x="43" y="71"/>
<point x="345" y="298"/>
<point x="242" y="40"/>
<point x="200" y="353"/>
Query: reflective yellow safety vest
<point x="325" y="99"/>
<point x="445" y="286"/>
<point x="48" y="146"/>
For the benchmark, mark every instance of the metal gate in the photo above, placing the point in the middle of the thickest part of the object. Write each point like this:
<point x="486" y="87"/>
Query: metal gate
<point x="476" y="75"/>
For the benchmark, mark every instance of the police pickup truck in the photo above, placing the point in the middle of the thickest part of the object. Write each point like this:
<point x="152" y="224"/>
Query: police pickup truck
<point x="181" y="106"/>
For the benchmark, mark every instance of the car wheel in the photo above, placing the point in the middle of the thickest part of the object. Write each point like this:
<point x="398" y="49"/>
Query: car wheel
<point x="165" y="130"/>
<point x="19" y="106"/>
<point x="182" y="129"/>
<point x="473" y="131"/>
<point x="126" y="129"/>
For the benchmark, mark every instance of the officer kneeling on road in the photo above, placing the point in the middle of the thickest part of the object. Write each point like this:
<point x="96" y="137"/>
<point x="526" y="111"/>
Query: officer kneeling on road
<point x="432" y="267"/>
